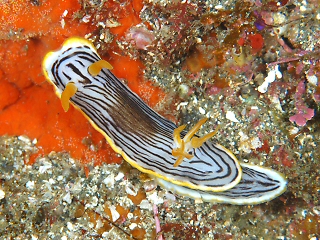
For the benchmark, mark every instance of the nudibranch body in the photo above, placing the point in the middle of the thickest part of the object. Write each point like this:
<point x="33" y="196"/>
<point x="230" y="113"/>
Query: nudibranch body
<point x="180" y="160"/>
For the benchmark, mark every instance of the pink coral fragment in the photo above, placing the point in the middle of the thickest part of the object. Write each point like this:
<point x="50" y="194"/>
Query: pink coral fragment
<point x="141" y="36"/>
<point x="302" y="116"/>
<point x="156" y="218"/>
<point x="303" y="112"/>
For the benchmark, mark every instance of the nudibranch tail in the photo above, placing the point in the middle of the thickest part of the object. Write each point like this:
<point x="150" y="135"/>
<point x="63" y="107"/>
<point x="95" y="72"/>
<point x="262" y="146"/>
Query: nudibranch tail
<point x="145" y="139"/>
<point x="258" y="185"/>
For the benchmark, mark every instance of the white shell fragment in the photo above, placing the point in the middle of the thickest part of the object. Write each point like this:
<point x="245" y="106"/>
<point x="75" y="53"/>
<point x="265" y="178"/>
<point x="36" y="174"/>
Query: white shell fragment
<point x="114" y="213"/>
<point x="2" y="194"/>
<point x="119" y="176"/>
<point x="231" y="116"/>
<point x="312" y="79"/>
<point x="272" y="75"/>
<point x="67" y="198"/>
<point x="131" y="190"/>
<point x="30" y="185"/>
<point x="145" y="204"/>
<point x="109" y="181"/>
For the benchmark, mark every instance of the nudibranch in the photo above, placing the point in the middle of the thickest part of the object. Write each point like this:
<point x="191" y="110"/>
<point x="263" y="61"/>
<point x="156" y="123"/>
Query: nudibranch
<point x="180" y="161"/>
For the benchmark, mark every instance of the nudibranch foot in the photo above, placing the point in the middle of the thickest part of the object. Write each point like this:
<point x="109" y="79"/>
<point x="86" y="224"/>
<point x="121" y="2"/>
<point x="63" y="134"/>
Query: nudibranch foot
<point x="95" y="68"/>
<point x="67" y="93"/>
<point x="258" y="185"/>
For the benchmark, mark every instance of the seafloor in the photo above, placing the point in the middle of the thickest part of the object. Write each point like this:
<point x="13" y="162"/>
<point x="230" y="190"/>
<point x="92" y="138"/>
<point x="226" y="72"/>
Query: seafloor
<point x="251" y="67"/>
